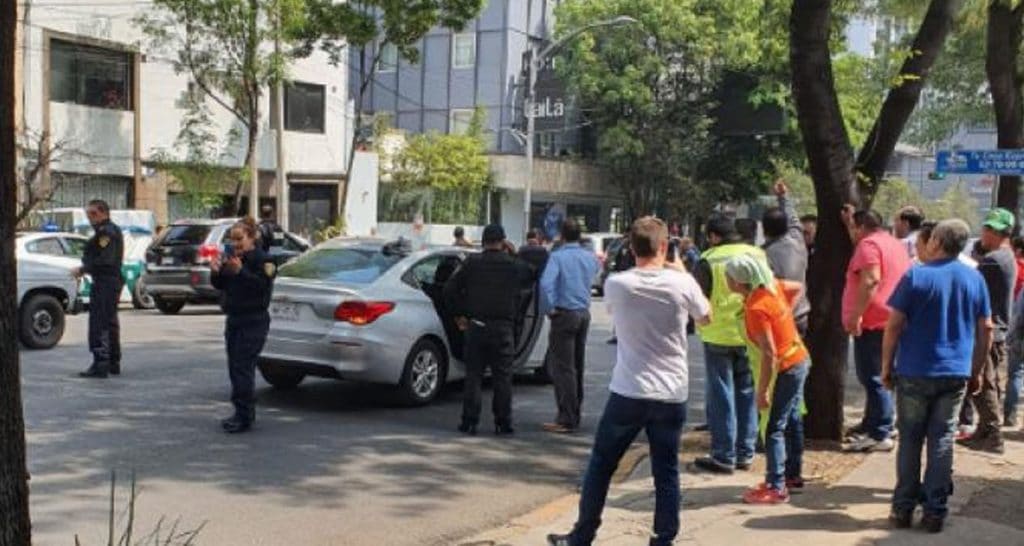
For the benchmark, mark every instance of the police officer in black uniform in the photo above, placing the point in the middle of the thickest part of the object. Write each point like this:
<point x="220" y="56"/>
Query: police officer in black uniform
<point x="485" y="297"/>
<point x="271" y="233"/>
<point x="246" y="275"/>
<point x="104" y="254"/>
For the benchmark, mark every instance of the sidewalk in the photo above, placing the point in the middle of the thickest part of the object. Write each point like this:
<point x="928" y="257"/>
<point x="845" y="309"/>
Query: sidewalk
<point x="985" y="509"/>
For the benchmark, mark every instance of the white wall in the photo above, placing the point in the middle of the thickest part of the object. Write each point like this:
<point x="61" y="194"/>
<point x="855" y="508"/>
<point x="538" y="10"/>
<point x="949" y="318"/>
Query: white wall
<point x="433" y="234"/>
<point x="361" y="205"/>
<point x="160" y="91"/>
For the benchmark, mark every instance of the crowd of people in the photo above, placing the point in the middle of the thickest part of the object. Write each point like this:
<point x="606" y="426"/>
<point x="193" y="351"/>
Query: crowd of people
<point x="933" y="330"/>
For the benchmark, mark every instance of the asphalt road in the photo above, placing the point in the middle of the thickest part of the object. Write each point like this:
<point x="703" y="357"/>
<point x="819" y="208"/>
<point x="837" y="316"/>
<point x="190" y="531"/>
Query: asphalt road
<point x="329" y="463"/>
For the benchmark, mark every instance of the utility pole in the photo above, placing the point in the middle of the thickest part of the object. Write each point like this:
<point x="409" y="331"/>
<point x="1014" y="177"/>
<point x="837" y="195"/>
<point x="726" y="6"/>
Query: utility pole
<point x="281" y="175"/>
<point x="15" y="528"/>
<point x="537" y="61"/>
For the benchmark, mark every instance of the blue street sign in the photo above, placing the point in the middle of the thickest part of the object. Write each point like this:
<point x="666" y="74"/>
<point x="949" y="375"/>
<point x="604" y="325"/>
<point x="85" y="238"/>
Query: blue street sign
<point x="1005" y="162"/>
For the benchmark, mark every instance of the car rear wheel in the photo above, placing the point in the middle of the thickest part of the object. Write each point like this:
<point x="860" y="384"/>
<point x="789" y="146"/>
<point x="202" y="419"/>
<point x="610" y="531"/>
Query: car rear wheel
<point x="426" y="368"/>
<point x="281" y="377"/>
<point x="42" y="322"/>
<point x="168" y="307"/>
<point x="140" y="297"/>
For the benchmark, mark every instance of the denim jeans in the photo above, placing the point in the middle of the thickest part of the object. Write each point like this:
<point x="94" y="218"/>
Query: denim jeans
<point x="1014" y="384"/>
<point x="622" y="420"/>
<point x="785" y="456"/>
<point x="878" y="412"/>
<point x="928" y="409"/>
<point x="731" y="408"/>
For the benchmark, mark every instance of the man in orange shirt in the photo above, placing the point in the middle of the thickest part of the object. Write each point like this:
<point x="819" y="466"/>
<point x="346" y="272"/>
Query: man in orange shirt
<point x="771" y="327"/>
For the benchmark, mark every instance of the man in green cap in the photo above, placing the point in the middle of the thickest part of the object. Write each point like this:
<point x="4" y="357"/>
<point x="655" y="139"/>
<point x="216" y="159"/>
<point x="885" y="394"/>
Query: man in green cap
<point x="999" y="269"/>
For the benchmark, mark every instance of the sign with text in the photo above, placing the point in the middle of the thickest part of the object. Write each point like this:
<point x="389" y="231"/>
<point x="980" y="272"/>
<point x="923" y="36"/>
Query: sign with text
<point x="549" y="105"/>
<point x="1002" y="162"/>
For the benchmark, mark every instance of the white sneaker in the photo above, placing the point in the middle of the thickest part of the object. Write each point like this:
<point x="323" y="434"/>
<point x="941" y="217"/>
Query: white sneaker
<point x="866" y="444"/>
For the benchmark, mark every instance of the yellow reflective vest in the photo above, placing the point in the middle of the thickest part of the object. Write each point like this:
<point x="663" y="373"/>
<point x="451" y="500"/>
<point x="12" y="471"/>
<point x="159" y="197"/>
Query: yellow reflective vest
<point x="727" y="328"/>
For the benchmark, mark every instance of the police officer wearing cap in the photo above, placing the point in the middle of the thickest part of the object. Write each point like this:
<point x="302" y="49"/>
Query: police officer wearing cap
<point x="486" y="303"/>
<point x="246" y="275"/>
<point x="104" y="254"/>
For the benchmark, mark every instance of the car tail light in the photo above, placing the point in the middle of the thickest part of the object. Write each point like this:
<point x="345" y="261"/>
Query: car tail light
<point x="362" y="312"/>
<point x="207" y="253"/>
<point x="194" y="279"/>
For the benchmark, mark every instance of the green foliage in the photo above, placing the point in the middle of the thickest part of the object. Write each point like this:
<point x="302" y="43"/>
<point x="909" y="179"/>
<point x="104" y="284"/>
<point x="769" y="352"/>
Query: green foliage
<point x="956" y="202"/>
<point x="332" y="25"/>
<point x="329" y="231"/>
<point x="443" y="176"/>
<point x="226" y="46"/>
<point x="801" y="187"/>
<point x="443" y="161"/>
<point x="193" y="165"/>
<point x="649" y="99"/>
<point x="956" y="94"/>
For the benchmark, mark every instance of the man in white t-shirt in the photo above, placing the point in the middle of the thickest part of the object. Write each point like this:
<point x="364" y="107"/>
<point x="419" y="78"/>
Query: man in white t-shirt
<point x="650" y="306"/>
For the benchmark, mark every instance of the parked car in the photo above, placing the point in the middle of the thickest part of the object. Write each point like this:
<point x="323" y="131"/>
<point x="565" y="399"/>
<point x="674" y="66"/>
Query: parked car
<point x="367" y="310"/>
<point x="178" y="261"/>
<point x="600" y="243"/>
<point x="47" y="292"/>
<point x="67" y="249"/>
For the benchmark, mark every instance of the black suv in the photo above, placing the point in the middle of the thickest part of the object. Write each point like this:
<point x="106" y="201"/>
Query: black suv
<point x="178" y="261"/>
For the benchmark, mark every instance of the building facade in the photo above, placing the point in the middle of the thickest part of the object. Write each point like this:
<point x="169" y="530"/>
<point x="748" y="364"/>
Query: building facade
<point x="481" y="67"/>
<point x="115" y="110"/>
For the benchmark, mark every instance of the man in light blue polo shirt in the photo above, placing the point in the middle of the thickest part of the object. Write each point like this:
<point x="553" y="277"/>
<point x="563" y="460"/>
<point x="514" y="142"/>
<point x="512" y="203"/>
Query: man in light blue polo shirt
<point x="565" y="299"/>
<point x="939" y="333"/>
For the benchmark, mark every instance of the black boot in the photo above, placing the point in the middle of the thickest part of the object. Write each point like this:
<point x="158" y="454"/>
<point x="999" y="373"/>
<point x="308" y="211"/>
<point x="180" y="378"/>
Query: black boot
<point x="115" y="368"/>
<point x="94" y="372"/>
<point x="236" y="425"/>
<point x="467" y="429"/>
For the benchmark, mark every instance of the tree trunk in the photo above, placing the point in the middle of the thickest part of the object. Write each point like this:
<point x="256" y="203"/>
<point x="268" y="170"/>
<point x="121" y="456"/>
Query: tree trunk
<point x="366" y="75"/>
<point x="831" y="164"/>
<point x="15" y="529"/>
<point x="237" y="198"/>
<point x="902" y="99"/>
<point x="1002" y="51"/>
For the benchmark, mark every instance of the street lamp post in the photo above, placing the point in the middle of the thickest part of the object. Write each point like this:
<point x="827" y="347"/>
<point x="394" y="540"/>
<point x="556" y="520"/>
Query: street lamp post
<point x="536" y="61"/>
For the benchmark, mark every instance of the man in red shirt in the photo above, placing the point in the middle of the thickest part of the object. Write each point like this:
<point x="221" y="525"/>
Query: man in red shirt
<point x="878" y="263"/>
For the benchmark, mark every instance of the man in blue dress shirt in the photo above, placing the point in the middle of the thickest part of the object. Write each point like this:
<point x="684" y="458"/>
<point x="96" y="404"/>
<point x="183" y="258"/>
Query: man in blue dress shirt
<point x="565" y="298"/>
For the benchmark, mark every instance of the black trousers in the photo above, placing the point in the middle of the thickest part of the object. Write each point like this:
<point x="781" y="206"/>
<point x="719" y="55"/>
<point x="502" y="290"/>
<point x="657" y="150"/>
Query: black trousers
<point x="245" y="337"/>
<point x="567" y="345"/>
<point x="104" y="327"/>
<point x="491" y="346"/>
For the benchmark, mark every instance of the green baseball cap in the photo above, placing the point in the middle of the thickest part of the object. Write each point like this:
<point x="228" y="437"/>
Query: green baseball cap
<point x="999" y="219"/>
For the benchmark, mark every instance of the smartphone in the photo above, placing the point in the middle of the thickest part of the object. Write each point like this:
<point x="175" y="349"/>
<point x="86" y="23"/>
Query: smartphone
<point x="673" y="251"/>
<point x="229" y="251"/>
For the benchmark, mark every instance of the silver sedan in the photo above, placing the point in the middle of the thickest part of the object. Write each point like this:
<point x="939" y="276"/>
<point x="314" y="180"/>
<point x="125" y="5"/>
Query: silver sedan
<point x="372" y="311"/>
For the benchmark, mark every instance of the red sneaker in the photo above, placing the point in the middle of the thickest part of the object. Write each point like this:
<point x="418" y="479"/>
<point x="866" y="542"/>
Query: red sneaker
<point x="762" y="494"/>
<point x="794" y="485"/>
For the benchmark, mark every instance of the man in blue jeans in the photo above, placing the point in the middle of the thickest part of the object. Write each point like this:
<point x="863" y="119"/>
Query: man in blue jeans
<point x="650" y="306"/>
<point x="729" y="384"/>
<point x="940" y="334"/>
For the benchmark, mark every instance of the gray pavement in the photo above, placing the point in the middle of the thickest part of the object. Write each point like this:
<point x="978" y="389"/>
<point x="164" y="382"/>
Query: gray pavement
<point x="329" y="463"/>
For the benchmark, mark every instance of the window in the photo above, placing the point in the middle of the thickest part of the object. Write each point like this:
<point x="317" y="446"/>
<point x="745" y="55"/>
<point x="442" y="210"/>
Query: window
<point x="304" y="107"/>
<point x="49" y="246"/>
<point x="90" y="76"/>
<point x="341" y="265"/>
<point x="388" y="58"/>
<point x="460" y="121"/>
<point x="423" y="272"/>
<point x="75" y="247"/>
<point x="76" y="190"/>
<point x="464" y="50"/>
